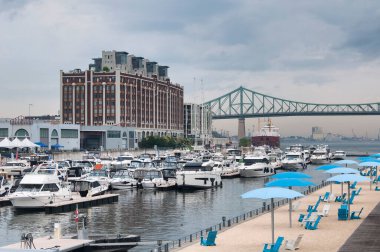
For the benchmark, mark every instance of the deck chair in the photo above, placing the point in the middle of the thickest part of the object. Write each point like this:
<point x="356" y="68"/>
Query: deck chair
<point x="326" y="197"/>
<point x="377" y="188"/>
<point x="293" y="244"/>
<point x="269" y="247"/>
<point x="325" y="210"/>
<point x="358" y="191"/>
<point x="313" y="208"/>
<point x="312" y="216"/>
<point x="356" y="214"/>
<point x="353" y="186"/>
<point x="210" y="241"/>
<point x="340" y="198"/>
<point x="296" y="205"/>
<point x="313" y="225"/>
<point x="351" y="200"/>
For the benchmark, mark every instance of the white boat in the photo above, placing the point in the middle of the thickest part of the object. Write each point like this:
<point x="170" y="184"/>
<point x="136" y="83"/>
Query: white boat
<point x="339" y="155"/>
<point x="155" y="179"/>
<point x="88" y="188"/>
<point x="321" y="155"/>
<point x="122" y="161"/>
<point x="15" y="167"/>
<point x="41" y="187"/>
<point x="5" y="186"/>
<point x="256" y="165"/>
<point x="234" y="155"/>
<point x="123" y="180"/>
<point x="100" y="175"/>
<point x="194" y="175"/>
<point x="294" y="160"/>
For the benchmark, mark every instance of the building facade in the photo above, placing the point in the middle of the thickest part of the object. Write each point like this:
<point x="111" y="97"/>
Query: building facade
<point x="131" y="92"/>
<point x="197" y="122"/>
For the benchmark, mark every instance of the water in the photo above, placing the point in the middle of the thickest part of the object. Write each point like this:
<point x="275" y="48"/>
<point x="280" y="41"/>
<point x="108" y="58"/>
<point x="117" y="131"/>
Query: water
<point x="154" y="215"/>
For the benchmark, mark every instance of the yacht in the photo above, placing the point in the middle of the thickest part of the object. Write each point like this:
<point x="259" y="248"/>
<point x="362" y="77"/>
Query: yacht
<point x="234" y="155"/>
<point x="40" y="187"/>
<point x="15" y="167"/>
<point x="88" y="188"/>
<point x="123" y="180"/>
<point x="294" y="160"/>
<point x="100" y="175"/>
<point x="155" y="179"/>
<point x="321" y="155"/>
<point x="195" y="175"/>
<point x="256" y="165"/>
<point x="339" y="155"/>
<point x="122" y="161"/>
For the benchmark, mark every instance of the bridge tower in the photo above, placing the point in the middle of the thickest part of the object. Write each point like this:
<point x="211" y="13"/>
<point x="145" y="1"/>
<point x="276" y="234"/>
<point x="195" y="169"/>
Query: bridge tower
<point x="241" y="128"/>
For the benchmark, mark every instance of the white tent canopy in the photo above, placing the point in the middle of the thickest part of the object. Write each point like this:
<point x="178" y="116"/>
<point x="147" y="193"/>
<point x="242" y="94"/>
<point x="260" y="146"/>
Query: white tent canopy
<point x="5" y="143"/>
<point x="16" y="143"/>
<point x="28" y="144"/>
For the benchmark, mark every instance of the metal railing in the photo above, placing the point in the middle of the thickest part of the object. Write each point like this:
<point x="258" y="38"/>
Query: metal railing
<point x="225" y="224"/>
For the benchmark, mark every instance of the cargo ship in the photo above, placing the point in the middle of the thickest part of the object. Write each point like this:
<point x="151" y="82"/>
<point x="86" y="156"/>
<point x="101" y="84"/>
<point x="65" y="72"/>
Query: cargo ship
<point x="268" y="135"/>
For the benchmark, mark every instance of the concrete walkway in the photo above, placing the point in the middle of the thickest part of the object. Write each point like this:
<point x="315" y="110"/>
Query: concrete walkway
<point x="330" y="235"/>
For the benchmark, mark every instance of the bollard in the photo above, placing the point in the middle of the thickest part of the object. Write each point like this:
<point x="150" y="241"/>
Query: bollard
<point x="220" y="226"/>
<point x="191" y="238"/>
<point x="229" y="223"/>
<point x="166" y="247"/>
<point x="179" y="243"/>
<point x="224" y="221"/>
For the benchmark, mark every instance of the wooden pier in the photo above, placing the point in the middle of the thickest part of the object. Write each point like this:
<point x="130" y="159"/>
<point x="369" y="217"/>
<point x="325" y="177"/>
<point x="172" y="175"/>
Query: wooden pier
<point x="81" y="202"/>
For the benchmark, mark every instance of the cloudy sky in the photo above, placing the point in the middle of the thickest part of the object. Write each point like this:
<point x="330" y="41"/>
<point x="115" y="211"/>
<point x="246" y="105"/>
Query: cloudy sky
<point x="312" y="51"/>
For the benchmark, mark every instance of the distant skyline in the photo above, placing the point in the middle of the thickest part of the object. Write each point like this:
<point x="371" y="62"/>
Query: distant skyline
<point x="311" y="51"/>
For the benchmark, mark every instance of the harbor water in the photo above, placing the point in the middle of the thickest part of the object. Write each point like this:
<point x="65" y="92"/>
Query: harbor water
<point x="154" y="215"/>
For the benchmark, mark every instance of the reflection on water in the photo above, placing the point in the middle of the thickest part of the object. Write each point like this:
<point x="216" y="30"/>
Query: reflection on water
<point x="154" y="215"/>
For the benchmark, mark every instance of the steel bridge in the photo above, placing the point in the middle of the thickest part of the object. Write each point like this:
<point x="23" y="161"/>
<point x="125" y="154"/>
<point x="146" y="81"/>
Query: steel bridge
<point x="243" y="103"/>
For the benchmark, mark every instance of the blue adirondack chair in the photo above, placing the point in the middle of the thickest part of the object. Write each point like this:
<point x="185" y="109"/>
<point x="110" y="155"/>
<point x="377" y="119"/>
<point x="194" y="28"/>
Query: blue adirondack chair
<point x="326" y="196"/>
<point x="358" y="191"/>
<point x="313" y="225"/>
<point x="353" y="185"/>
<point x="377" y="188"/>
<point x="269" y="247"/>
<point x="356" y="214"/>
<point x="210" y="241"/>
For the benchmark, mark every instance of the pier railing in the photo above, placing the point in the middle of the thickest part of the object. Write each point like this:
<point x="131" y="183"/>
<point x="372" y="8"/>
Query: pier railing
<point x="228" y="223"/>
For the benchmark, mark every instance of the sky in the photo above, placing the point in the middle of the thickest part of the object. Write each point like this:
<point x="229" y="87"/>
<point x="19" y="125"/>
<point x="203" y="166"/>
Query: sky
<point x="310" y="51"/>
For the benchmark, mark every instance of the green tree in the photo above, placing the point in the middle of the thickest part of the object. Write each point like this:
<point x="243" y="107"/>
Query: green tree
<point x="245" y="142"/>
<point x="106" y="69"/>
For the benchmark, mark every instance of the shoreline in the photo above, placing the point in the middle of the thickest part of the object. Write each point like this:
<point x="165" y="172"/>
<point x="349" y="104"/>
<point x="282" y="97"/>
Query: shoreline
<point x="331" y="234"/>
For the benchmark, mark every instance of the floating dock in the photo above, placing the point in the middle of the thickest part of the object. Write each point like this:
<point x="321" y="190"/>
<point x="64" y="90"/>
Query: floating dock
<point x="81" y="202"/>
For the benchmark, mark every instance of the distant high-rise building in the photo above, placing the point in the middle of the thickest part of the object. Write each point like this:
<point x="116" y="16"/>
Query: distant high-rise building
<point x="197" y="121"/>
<point x="317" y="133"/>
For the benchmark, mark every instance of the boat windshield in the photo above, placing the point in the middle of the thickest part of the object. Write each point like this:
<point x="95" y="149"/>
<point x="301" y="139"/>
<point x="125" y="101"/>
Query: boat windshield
<point x="122" y="158"/>
<point x="169" y="173"/>
<point x="46" y="170"/>
<point x="14" y="164"/>
<point x="121" y="174"/>
<point x="292" y="157"/>
<point x="232" y="152"/>
<point x="250" y="161"/>
<point x="152" y="175"/>
<point x="98" y="173"/>
<point x="29" y="188"/>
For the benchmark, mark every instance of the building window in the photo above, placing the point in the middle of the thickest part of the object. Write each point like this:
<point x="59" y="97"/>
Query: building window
<point x="21" y="133"/>
<point x="44" y="133"/>
<point x="3" y="132"/>
<point x="113" y="134"/>
<point x="54" y="133"/>
<point x="69" y="133"/>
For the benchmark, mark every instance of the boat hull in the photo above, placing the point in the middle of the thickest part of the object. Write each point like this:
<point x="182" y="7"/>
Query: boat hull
<point x="198" y="180"/>
<point x="247" y="172"/>
<point x="33" y="201"/>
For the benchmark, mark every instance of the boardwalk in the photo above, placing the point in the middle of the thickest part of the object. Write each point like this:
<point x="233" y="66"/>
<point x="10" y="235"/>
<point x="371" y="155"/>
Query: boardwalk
<point x="330" y="235"/>
<point x="366" y="236"/>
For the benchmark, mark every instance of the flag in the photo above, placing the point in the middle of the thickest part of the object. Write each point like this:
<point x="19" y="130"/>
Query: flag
<point x="76" y="214"/>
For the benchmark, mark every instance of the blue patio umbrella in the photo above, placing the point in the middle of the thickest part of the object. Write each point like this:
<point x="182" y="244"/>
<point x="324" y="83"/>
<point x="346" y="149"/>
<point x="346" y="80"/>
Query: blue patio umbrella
<point x="348" y="178"/>
<point x="326" y="167"/>
<point x="289" y="175"/>
<point x="346" y="162"/>
<point x="289" y="182"/>
<point x="342" y="170"/>
<point x="271" y="193"/>
<point x="377" y="155"/>
<point x="56" y="146"/>
<point x="367" y="159"/>
<point x="41" y="144"/>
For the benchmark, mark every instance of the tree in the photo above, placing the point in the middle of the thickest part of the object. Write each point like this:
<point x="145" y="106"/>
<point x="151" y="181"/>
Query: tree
<point x="106" y="69"/>
<point x="244" y="142"/>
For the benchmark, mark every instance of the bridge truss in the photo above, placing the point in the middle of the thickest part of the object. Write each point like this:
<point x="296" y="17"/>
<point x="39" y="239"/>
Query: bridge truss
<point x="245" y="103"/>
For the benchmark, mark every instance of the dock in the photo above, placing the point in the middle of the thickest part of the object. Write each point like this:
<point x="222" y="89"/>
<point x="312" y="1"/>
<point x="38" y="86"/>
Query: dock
<point x="81" y="202"/>
<point x="4" y="201"/>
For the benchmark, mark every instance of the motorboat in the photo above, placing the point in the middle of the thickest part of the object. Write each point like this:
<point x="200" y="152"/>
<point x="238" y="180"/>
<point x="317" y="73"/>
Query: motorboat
<point x="256" y="165"/>
<point x="88" y="188"/>
<point x="122" y="161"/>
<point x="15" y="167"/>
<point x="195" y="175"/>
<point x="101" y="175"/>
<point x="234" y="154"/>
<point x="152" y="178"/>
<point x="5" y="186"/>
<point x="87" y="165"/>
<point x="294" y="160"/>
<point x="122" y="179"/>
<point x="321" y="155"/>
<point x="339" y="155"/>
<point x="41" y="187"/>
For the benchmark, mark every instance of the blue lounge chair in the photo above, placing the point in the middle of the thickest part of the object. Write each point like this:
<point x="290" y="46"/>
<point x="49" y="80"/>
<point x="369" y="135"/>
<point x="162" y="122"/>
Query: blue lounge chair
<point x="269" y="247"/>
<point x="351" y="200"/>
<point x="210" y="241"/>
<point x="353" y="185"/>
<point x="377" y="188"/>
<point x="357" y="192"/>
<point x="356" y="214"/>
<point x="340" y="198"/>
<point x="326" y="197"/>
<point x="313" y="225"/>
<point x="313" y="208"/>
